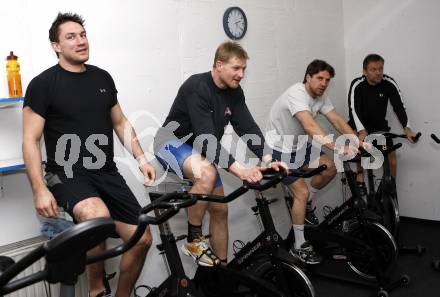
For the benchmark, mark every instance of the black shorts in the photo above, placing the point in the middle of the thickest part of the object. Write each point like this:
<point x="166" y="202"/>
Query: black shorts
<point x="291" y="160"/>
<point x="109" y="186"/>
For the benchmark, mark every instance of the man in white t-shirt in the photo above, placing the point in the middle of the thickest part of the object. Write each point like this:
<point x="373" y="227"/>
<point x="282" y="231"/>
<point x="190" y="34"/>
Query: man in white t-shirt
<point x="290" y="127"/>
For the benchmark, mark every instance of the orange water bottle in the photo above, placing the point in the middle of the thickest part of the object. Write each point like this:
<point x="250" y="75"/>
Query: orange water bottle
<point x="14" y="79"/>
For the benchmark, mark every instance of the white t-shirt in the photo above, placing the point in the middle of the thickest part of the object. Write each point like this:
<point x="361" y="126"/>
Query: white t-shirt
<point x="283" y="129"/>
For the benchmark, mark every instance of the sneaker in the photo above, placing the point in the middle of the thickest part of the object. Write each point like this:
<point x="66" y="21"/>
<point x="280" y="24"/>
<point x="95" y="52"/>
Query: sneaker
<point x="306" y="254"/>
<point x="201" y="252"/>
<point x="310" y="217"/>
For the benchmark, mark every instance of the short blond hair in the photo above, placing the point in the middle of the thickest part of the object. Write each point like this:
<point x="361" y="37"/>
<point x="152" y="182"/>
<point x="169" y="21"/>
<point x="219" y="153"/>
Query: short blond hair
<point x="228" y="50"/>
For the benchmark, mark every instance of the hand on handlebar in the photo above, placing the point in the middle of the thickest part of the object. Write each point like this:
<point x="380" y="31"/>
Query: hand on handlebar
<point x="254" y="174"/>
<point x="45" y="203"/>
<point x="251" y="175"/>
<point x="366" y="146"/>
<point x="410" y="135"/>
<point x="362" y="134"/>
<point x="277" y="166"/>
<point x="347" y="150"/>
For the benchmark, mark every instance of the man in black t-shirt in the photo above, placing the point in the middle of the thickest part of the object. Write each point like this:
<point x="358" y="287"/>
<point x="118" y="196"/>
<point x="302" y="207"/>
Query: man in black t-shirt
<point x="368" y="99"/>
<point x="75" y="106"/>
<point x="189" y="144"/>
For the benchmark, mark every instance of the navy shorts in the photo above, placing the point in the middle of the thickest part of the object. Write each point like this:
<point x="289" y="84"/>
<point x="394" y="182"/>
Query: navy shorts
<point x="109" y="186"/>
<point x="295" y="160"/>
<point x="173" y="154"/>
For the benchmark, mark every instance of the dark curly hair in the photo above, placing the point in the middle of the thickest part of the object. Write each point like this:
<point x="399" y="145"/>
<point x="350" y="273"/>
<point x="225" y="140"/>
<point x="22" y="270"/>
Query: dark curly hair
<point x="61" y="19"/>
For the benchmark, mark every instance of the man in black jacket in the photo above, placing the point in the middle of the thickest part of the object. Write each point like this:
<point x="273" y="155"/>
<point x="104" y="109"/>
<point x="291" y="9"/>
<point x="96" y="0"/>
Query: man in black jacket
<point x="189" y="144"/>
<point x="368" y="100"/>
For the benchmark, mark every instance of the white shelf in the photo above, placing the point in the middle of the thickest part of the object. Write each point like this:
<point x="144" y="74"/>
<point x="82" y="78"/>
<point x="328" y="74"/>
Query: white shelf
<point x="12" y="164"/>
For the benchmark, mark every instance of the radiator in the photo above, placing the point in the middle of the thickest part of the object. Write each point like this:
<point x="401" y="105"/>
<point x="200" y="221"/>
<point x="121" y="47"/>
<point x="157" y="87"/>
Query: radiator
<point x="19" y="249"/>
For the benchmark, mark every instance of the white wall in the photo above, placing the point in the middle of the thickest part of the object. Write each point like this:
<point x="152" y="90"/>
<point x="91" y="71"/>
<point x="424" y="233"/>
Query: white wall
<point x="405" y="34"/>
<point x="151" y="47"/>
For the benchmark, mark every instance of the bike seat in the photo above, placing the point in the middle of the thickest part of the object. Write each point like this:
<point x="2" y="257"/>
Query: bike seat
<point x="79" y="238"/>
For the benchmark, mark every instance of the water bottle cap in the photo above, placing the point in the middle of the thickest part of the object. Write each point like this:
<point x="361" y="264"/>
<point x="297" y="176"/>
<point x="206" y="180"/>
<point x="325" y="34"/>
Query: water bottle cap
<point x="11" y="56"/>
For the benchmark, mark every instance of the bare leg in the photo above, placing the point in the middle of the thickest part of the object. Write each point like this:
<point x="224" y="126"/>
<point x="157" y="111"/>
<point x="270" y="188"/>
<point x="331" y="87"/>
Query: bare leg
<point x="300" y="195"/>
<point x="202" y="174"/>
<point x="218" y="225"/>
<point x="359" y="173"/>
<point x="132" y="261"/>
<point x="95" y="272"/>
<point x="90" y="208"/>
<point x="322" y="179"/>
<point x="393" y="163"/>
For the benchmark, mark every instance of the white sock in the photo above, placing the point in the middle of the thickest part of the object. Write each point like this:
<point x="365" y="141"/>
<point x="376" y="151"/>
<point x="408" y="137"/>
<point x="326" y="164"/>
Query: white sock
<point x="298" y="231"/>
<point x="312" y="192"/>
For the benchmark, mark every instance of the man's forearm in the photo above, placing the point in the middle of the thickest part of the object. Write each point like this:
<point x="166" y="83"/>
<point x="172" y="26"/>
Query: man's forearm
<point x="318" y="134"/>
<point x="32" y="159"/>
<point x="344" y="128"/>
<point x="339" y="124"/>
<point x="127" y="136"/>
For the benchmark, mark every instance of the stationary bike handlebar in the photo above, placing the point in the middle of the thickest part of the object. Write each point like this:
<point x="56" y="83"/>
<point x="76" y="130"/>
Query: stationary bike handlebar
<point x="270" y="179"/>
<point x="364" y="153"/>
<point x="389" y="149"/>
<point x="435" y="138"/>
<point x="393" y="148"/>
<point x="271" y="174"/>
<point x="393" y="135"/>
<point x="69" y="248"/>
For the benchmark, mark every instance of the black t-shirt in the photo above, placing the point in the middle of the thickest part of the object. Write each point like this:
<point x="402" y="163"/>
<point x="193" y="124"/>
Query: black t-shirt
<point x="77" y="112"/>
<point x="202" y="108"/>
<point x="367" y="104"/>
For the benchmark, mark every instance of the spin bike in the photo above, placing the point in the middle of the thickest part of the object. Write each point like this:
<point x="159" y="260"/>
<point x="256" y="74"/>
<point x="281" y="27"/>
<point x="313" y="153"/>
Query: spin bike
<point x="66" y="254"/>
<point x="351" y="233"/>
<point x="266" y="256"/>
<point x="262" y="265"/>
<point x="384" y="200"/>
<point x="178" y="284"/>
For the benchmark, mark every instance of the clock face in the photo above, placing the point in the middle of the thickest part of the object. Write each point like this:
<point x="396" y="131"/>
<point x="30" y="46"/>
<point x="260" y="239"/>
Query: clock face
<point x="235" y="23"/>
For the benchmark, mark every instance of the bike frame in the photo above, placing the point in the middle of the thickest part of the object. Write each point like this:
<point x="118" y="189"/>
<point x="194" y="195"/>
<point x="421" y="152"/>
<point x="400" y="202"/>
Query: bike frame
<point x="269" y="244"/>
<point x="330" y="231"/>
<point x="180" y="285"/>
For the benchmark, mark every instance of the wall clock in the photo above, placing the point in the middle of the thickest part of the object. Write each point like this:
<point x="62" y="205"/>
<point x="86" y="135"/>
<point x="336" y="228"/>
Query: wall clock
<point x="235" y="23"/>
